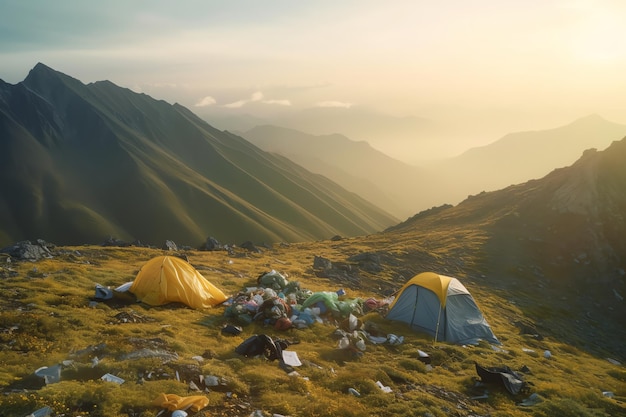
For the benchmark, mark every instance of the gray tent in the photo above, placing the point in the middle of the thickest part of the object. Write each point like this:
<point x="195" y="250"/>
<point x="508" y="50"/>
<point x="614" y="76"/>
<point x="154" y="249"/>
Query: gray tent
<point x="442" y="307"/>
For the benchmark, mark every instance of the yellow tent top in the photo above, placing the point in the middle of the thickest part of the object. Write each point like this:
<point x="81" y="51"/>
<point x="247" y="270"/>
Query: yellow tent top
<point x="168" y="279"/>
<point x="438" y="284"/>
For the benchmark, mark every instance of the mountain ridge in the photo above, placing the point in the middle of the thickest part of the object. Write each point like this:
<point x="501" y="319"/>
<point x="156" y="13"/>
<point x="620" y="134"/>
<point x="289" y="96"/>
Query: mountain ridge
<point x="570" y="221"/>
<point x="381" y="179"/>
<point x="99" y="152"/>
<point x="355" y="165"/>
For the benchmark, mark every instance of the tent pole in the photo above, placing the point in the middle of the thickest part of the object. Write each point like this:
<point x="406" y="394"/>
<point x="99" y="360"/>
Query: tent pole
<point x="437" y="329"/>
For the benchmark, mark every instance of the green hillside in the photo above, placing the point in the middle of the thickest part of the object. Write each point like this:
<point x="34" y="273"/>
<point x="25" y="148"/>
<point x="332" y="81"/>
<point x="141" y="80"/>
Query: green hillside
<point x="83" y="162"/>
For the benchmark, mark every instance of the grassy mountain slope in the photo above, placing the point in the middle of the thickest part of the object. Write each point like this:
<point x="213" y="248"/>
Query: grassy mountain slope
<point x="559" y="238"/>
<point x="163" y="349"/>
<point x="354" y="165"/>
<point x="82" y="162"/>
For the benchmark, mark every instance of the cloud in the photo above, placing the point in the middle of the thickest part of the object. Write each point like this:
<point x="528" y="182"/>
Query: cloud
<point x="283" y="102"/>
<point x="236" y="104"/>
<point x="206" y="101"/>
<point x="256" y="97"/>
<point x="332" y="103"/>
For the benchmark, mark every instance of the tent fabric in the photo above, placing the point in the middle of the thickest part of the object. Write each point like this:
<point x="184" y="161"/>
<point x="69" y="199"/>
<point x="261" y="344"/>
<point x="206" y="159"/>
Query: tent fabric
<point x="442" y="307"/>
<point x="168" y="279"/>
<point x="174" y="402"/>
<point x="438" y="284"/>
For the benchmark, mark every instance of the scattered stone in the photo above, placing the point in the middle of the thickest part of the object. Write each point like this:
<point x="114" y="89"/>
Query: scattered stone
<point x="534" y="399"/>
<point x="132" y="317"/>
<point x="322" y="263"/>
<point x="368" y="261"/>
<point x="212" y="244"/>
<point x="111" y="241"/>
<point x="165" y="356"/>
<point x="28" y="251"/>
<point x="250" y="247"/>
<point x="170" y="246"/>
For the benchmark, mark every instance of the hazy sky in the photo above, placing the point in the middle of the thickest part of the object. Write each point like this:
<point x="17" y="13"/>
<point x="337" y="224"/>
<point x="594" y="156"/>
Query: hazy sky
<point x="495" y="65"/>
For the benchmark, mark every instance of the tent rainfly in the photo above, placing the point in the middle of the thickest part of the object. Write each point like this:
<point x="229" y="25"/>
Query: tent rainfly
<point x="168" y="279"/>
<point x="442" y="307"/>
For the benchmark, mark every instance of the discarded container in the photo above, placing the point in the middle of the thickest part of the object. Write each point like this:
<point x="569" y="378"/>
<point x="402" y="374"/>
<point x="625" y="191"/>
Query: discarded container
<point x="211" y="381"/>
<point x="179" y="413"/>
<point x="608" y="394"/>
<point x="112" y="378"/>
<point x="395" y="340"/>
<point x="423" y="356"/>
<point x="534" y="399"/>
<point x="354" y="392"/>
<point x="291" y="358"/>
<point x="341" y="292"/>
<point x="360" y="344"/>
<point x="42" y="412"/>
<point x="292" y="299"/>
<point x="50" y="374"/>
<point x="353" y="322"/>
<point x="547" y="354"/>
<point x="382" y="387"/>
<point x="343" y="343"/>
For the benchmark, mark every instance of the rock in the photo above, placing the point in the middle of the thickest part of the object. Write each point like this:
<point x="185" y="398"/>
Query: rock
<point x="170" y="245"/>
<point x="250" y="247"/>
<point x="150" y="353"/>
<point x="112" y="241"/>
<point x="322" y="263"/>
<point x="212" y="244"/>
<point x="28" y="251"/>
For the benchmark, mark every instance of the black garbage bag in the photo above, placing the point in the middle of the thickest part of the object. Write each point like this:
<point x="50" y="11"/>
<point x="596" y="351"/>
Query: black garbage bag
<point x="231" y="330"/>
<point x="262" y="344"/>
<point x="503" y="376"/>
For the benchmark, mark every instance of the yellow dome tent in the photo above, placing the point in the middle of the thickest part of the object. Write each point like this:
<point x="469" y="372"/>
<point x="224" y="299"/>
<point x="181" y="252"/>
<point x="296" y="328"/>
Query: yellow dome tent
<point x="169" y="279"/>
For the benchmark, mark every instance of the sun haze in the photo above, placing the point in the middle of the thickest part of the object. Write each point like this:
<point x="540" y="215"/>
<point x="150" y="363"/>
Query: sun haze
<point x="478" y="69"/>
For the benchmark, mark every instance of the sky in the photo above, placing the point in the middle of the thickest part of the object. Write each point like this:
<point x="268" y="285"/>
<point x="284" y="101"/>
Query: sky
<point x="482" y="67"/>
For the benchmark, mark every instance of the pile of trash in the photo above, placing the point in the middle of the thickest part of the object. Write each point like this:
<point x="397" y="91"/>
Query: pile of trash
<point x="277" y="302"/>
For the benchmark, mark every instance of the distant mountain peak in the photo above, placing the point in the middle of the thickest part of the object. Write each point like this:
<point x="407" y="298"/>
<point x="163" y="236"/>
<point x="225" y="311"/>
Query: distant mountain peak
<point x="41" y="69"/>
<point x="41" y="73"/>
<point x="592" y="118"/>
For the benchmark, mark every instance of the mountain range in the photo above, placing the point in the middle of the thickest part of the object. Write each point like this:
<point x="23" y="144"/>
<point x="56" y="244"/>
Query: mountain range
<point x="79" y="163"/>
<point x="570" y="223"/>
<point x="380" y="179"/>
<point x="404" y="189"/>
